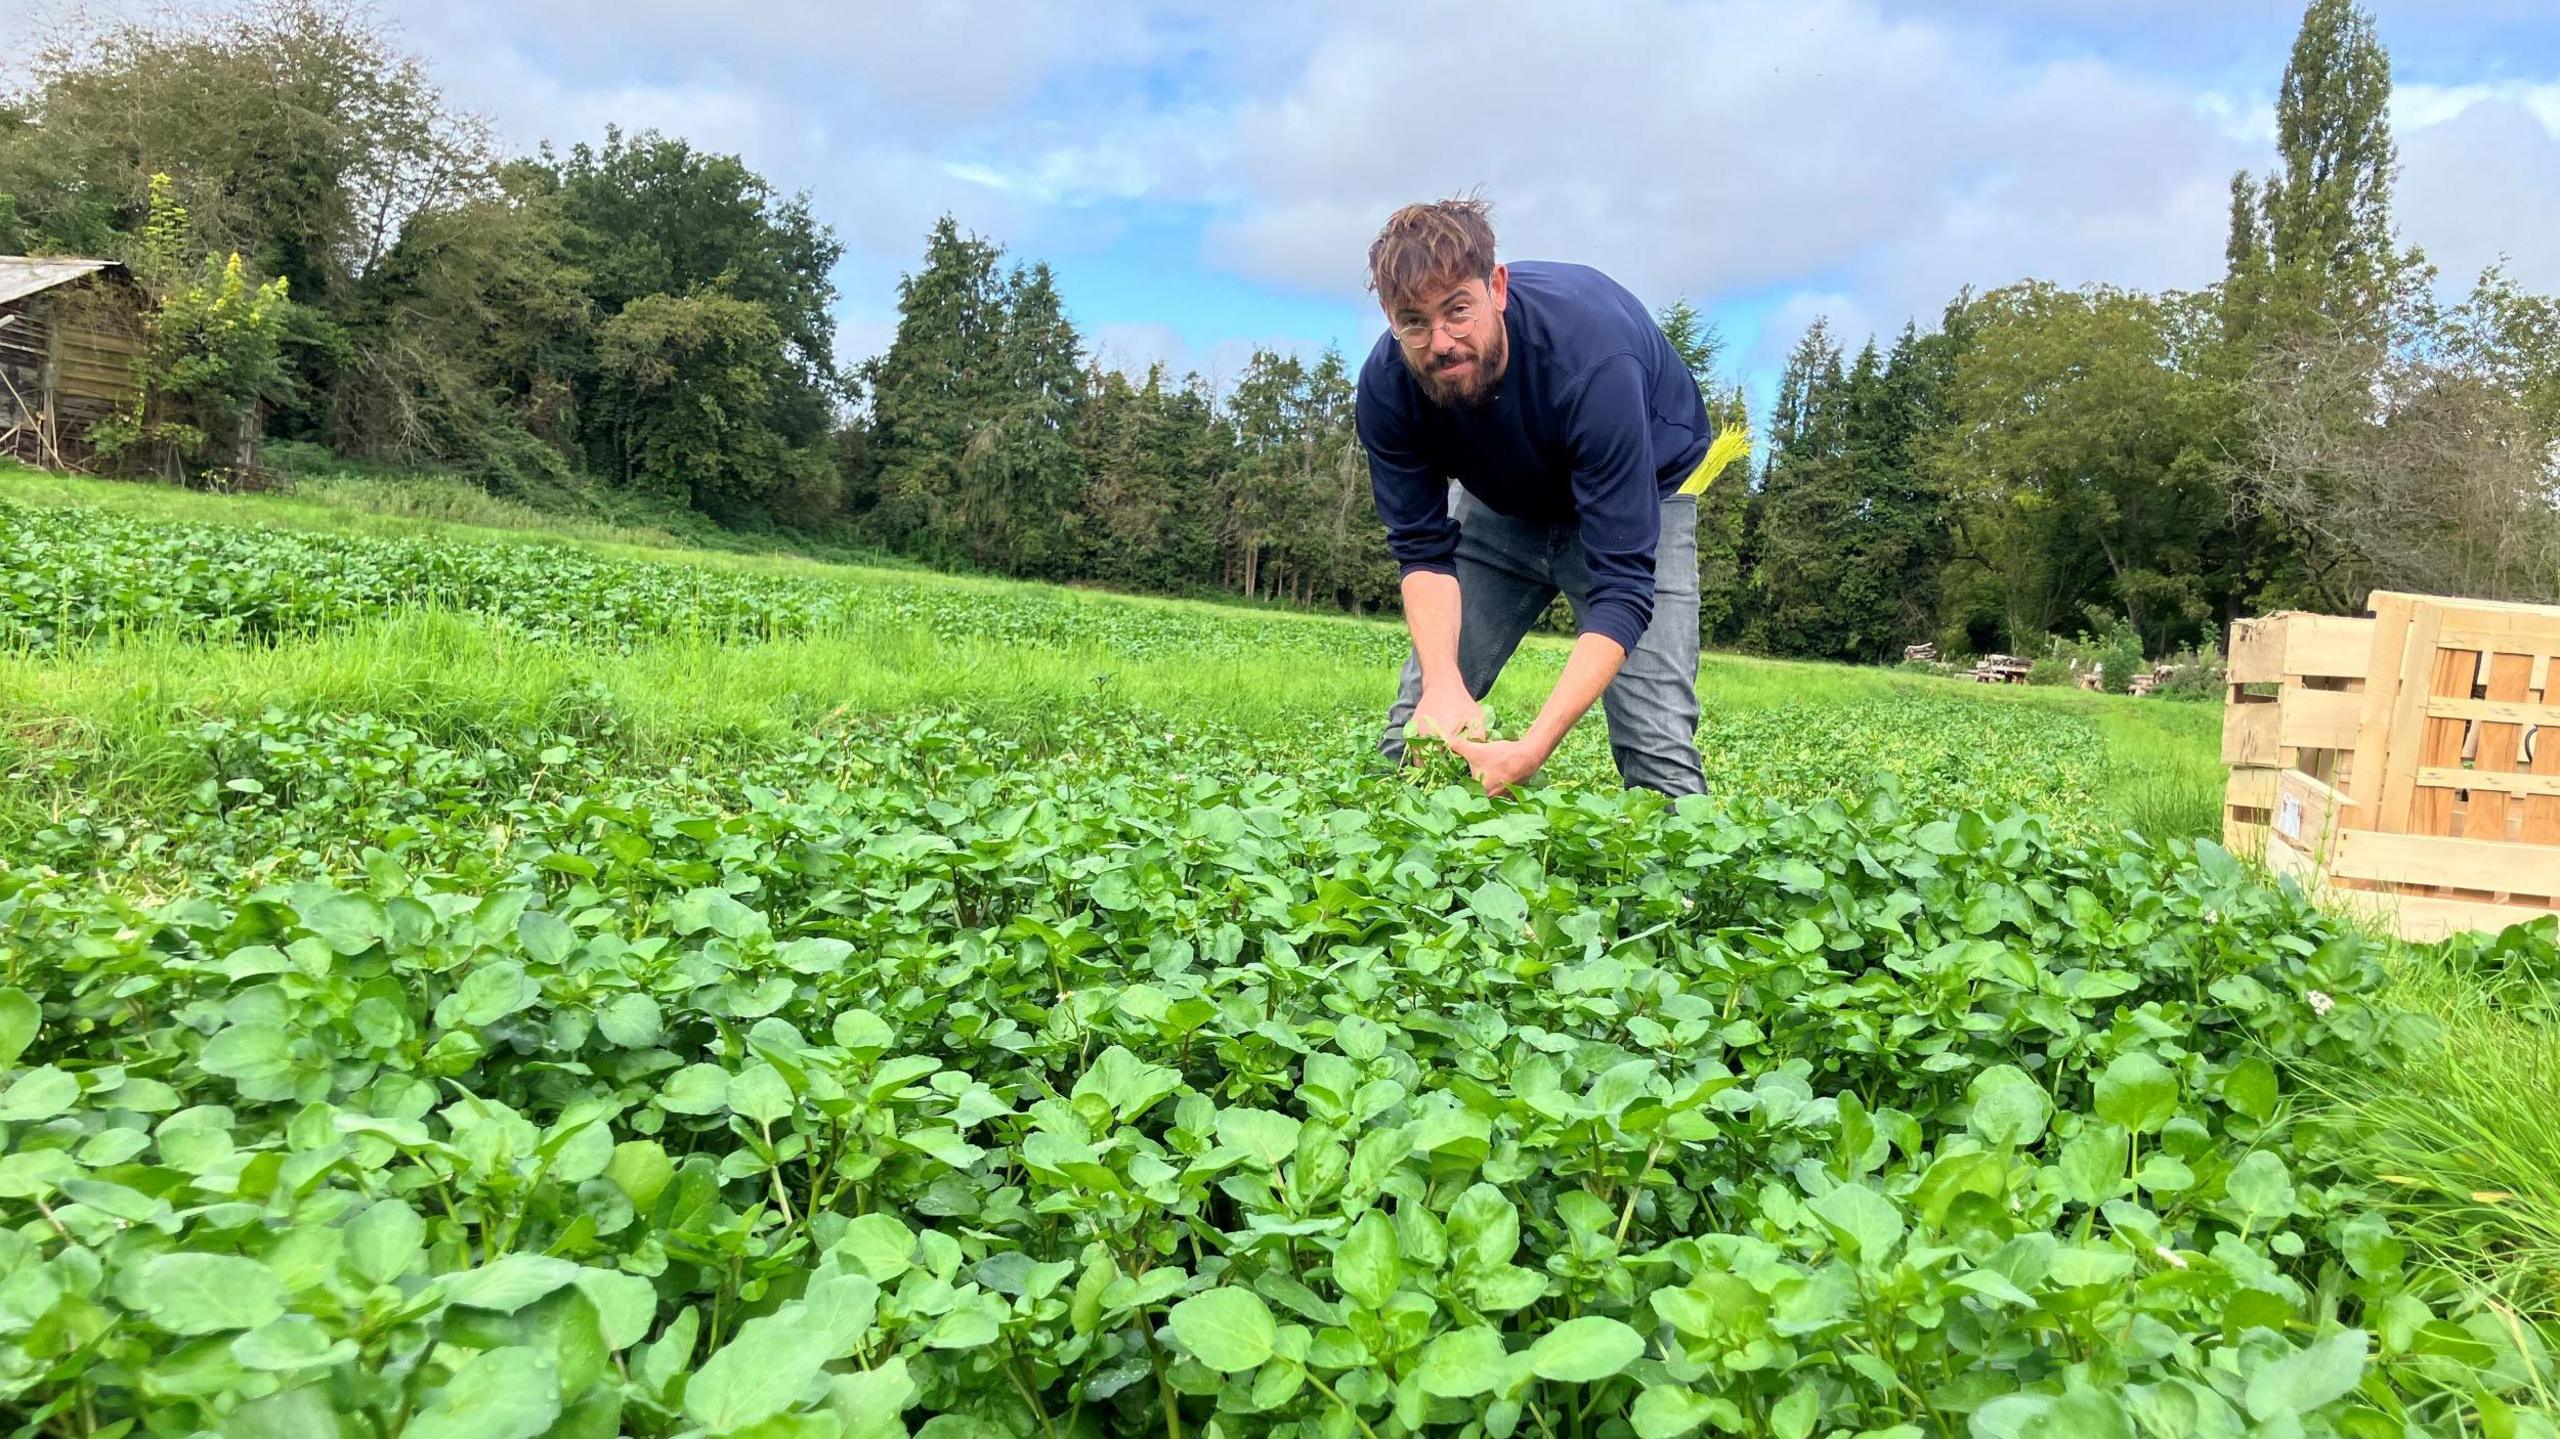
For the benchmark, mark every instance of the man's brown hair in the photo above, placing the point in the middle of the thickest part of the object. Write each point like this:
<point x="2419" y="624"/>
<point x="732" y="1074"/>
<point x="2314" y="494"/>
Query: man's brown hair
<point x="1445" y="242"/>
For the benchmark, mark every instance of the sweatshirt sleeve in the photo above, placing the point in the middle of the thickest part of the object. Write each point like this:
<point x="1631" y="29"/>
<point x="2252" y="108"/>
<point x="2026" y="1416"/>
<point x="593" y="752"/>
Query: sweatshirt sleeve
<point x="1614" y="489"/>
<point x="1412" y="501"/>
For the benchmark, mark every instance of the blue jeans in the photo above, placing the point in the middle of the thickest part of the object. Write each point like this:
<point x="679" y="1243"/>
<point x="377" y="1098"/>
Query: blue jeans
<point x="1510" y="570"/>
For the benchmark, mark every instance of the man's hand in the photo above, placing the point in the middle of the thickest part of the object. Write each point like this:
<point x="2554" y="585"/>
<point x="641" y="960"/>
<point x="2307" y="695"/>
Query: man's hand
<point x="1501" y="764"/>
<point x="1450" y="714"/>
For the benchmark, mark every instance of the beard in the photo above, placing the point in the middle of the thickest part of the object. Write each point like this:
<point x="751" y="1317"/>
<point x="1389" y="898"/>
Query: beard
<point x="1467" y="383"/>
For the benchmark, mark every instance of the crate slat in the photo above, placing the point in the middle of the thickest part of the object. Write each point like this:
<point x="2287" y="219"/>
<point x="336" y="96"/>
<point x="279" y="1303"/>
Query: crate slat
<point x="2407" y="714"/>
<point x="2504" y="709"/>
<point x="2249" y="732"/>
<point x="2426" y="859"/>
<point x="2392" y="617"/>
<point x="2423" y="919"/>
<point x="2441" y="741"/>
<point x="2308" y="813"/>
<point x="2251" y="788"/>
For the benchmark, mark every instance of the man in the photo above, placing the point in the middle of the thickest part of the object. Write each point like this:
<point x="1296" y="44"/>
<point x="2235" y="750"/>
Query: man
<point x="1553" y="400"/>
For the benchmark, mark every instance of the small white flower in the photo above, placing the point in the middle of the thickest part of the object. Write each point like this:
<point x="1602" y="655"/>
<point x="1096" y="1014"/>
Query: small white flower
<point x="2213" y="916"/>
<point x="2320" y="1003"/>
<point x="2169" y="1256"/>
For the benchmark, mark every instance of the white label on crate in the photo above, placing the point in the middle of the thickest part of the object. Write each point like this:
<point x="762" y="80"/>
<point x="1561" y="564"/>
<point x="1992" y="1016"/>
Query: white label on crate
<point x="2289" y="817"/>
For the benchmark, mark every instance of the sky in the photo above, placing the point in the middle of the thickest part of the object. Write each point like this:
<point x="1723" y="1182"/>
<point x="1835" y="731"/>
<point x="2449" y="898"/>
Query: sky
<point x="1205" y="178"/>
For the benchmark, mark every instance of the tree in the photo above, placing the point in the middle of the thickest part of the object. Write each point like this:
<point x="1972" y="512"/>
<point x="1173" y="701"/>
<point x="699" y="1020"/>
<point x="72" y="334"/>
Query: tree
<point x="2420" y="461"/>
<point x="654" y="216"/>
<point x="2319" y="242"/>
<point x="648" y="217"/>
<point x="470" y="338"/>
<point x="932" y="389"/>
<point x="686" y="388"/>
<point x="1804" y="594"/>
<point x="293" y="131"/>
<point x="1695" y="339"/>
<point x="2080" y="465"/>
<point x="1017" y="492"/>
<point x="213" y="354"/>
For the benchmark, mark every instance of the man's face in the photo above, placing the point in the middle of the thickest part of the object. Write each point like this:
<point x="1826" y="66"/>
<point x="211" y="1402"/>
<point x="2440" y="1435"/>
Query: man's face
<point x="1452" y="337"/>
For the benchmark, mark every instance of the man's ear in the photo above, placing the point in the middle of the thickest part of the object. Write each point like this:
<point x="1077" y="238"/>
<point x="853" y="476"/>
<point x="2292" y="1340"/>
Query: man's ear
<point x="1498" y="285"/>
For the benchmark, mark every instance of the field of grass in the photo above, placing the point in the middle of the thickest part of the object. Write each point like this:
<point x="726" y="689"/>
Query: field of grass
<point x="1772" y="727"/>
<point x="504" y="980"/>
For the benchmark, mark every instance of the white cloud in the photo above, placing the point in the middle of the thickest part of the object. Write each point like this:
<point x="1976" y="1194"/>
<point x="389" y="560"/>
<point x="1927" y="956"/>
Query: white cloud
<point x="1861" y="158"/>
<point x="1728" y="148"/>
<point x="2483" y="181"/>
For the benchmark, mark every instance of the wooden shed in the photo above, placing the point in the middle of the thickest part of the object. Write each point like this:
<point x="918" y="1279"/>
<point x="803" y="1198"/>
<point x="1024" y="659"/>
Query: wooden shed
<point x="70" y="332"/>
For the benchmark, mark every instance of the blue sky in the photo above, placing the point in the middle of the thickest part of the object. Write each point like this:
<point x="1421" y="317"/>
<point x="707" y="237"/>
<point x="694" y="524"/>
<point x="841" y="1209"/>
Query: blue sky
<point x="1204" y="177"/>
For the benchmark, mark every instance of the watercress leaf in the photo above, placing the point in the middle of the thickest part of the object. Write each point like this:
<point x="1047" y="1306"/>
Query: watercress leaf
<point x="293" y="1342"/>
<point x="2138" y="1092"/>
<point x="1793" y="1417"/>
<point x="1667" y="1411"/>
<point x="1463" y="1362"/>
<point x="630" y="1021"/>
<point x="2308" y="1378"/>
<point x="249" y="1053"/>
<point x="696" y="1089"/>
<point x="38" y="1094"/>
<point x="870" y="1401"/>
<point x="509" y="1282"/>
<point x="1229" y="1329"/>
<point x="384" y="1240"/>
<point x="758" y="1093"/>
<point x="765" y="1369"/>
<point x="208" y="1293"/>
<point x="2007" y="1107"/>
<point x="507" y="1393"/>
<point x="1585" y="1350"/>
<point x="1863" y="1221"/>
<point x="1366" y="1265"/>
<point x="19" y="1019"/>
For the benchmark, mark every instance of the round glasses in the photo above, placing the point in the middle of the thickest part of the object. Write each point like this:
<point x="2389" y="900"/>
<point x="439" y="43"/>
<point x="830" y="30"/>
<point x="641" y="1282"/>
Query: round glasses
<point x="1458" y="319"/>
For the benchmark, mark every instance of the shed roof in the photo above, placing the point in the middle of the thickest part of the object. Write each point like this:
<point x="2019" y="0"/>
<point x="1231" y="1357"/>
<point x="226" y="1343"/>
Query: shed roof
<point x="23" y="275"/>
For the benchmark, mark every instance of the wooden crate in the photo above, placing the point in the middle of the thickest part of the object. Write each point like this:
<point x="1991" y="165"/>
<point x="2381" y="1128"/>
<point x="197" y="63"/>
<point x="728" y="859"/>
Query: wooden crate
<point x="2295" y="702"/>
<point x="2425" y="787"/>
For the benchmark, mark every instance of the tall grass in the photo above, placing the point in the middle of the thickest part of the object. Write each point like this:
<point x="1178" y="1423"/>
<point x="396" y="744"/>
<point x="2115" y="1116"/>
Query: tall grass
<point x="2462" y="1143"/>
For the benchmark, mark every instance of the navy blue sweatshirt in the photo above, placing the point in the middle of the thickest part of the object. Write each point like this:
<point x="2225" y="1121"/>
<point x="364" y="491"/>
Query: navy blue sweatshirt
<point x="1594" y="421"/>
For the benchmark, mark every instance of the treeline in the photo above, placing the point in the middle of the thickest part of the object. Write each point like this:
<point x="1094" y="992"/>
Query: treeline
<point x="991" y="440"/>
<point x="649" y="320"/>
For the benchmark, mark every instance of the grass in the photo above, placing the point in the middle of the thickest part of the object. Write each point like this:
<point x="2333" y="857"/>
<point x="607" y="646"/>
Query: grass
<point x="2162" y="775"/>
<point x="2463" y="1143"/>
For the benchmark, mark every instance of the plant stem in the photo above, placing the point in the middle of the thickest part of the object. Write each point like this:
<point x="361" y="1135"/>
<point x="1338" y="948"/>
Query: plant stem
<point x="1328" y="1392"/>
<point x="1636" y="1190"/>
<point x="1013" y="1371"/>
<point x="1164" y="1386"/>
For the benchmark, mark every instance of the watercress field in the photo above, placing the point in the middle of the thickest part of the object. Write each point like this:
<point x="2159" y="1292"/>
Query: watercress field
<point x="452" y="987"/>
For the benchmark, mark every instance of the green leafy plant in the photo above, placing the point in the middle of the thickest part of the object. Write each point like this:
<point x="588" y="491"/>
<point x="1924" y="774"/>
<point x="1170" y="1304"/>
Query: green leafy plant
<point x="414" y="1078"/>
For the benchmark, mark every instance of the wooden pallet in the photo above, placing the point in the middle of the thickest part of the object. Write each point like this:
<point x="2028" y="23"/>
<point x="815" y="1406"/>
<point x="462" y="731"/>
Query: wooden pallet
<point x="2419" y="780"/>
